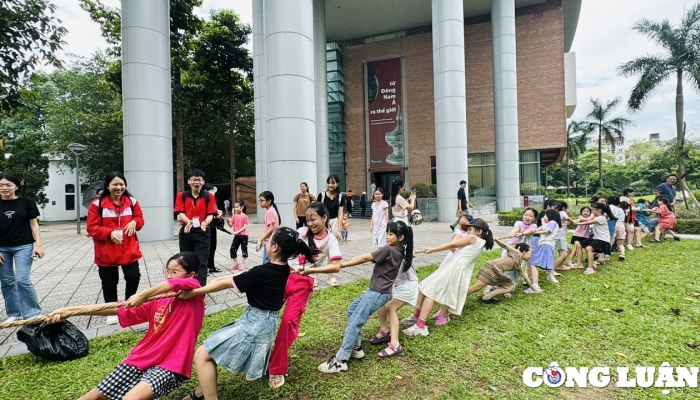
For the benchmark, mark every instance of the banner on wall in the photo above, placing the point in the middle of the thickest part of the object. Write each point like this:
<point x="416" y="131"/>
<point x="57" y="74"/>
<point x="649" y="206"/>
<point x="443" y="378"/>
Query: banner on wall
<point x="386" y="144"/>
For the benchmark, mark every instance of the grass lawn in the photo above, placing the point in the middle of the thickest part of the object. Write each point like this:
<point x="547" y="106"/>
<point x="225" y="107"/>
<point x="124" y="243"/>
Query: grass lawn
<point x="641" y="312"/>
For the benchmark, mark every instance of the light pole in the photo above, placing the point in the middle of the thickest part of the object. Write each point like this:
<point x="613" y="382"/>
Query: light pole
<point x="233" y="186"/>
<point x="77" y="149"/>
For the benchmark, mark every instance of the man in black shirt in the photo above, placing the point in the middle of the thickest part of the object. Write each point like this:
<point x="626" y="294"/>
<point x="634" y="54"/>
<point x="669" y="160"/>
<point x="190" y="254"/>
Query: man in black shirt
<point x="463" y="203"/>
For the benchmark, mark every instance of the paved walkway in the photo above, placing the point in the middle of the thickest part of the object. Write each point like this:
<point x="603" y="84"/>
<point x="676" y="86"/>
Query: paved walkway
<point x="68" y="277"/>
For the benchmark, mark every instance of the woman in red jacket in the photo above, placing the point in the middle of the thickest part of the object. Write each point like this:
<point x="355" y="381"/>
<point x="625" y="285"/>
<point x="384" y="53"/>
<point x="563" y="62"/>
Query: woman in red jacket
<point x="112" y="221"/>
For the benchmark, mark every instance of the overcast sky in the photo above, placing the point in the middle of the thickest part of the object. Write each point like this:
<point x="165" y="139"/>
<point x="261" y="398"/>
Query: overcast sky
<point x="604" y="40"/>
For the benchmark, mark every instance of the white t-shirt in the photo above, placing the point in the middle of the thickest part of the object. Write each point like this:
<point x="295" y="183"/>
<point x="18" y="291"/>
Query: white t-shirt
<point x="600" y="229"/>
<point x="408" y="276"/>
<point x="618" y="213"/>
<point x="549" y="238"/>
<point x="328" y="245"/>
<point x="561" y="233"/>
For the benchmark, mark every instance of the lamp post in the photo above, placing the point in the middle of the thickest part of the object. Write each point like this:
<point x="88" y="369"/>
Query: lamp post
<point x="233" y="185"/>
<point x="77" y="149"/>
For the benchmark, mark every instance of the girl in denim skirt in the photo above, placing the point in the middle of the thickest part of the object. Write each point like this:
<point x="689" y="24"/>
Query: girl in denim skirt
<point x="543" y="255"/>
<point x="244" y="346"/>
<point x="388" y="261"/>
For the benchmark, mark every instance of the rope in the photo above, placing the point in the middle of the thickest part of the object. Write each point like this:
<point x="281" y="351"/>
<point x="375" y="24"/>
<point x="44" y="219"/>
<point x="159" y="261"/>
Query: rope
<point x="87" y="310"/>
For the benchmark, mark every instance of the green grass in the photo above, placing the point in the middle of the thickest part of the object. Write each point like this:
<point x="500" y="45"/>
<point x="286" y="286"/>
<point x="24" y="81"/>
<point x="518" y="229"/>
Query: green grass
<point x="655" y="312"/>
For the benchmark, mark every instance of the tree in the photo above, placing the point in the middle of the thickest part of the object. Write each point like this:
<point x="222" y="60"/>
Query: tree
<point x="220" y="55"/>
<point x="82" y="107"/>
<point x="610" y="129"/>
<point x="682" y="45"/>
<point x="30" y="34"/>
<point x="184" y="24"/>
<point x="576" y="140"/>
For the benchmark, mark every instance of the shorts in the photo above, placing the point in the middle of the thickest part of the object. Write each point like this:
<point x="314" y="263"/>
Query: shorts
<point x="599" y="246"/>
<point x="575" y="239"/>
<point x="406" y="292"/>
<point x="560" y="244"/>
<point x="344" y="234"/>
<point x="620" y="232"/>
<point x="124" y="377"/>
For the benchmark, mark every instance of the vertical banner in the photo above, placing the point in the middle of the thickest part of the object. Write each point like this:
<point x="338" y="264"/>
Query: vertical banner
<point x="384" y="97"/>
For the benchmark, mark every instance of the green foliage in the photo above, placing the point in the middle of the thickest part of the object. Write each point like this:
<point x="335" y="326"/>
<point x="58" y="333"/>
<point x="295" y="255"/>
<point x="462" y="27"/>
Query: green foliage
<point x="688" y="226"/>
<point x="31" y="34"/>
<point x="423" y="191"/>
<point x="81" y="107"/>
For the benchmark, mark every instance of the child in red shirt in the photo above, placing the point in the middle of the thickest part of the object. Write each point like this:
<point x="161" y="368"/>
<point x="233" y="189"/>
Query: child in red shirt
<point x="162" y="360"/>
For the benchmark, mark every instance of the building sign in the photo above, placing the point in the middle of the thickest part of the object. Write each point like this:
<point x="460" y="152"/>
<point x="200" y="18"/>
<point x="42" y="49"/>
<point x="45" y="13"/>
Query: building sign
<point x="386" y="138"/>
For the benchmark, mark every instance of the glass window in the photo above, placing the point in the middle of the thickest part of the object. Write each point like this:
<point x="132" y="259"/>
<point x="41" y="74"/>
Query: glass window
<point x="70" y="188"/>
<point x="433" y="170"/>
<point x="529" y="173"/>
<point x="70" y="202"/>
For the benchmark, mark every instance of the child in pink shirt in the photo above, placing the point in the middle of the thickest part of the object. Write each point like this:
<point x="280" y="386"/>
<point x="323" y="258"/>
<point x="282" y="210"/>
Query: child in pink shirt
<point x="162" y="361"/>
<point x="239" y="223"/>
<point x="667" y="220"/>
<point x="271" y="223"/>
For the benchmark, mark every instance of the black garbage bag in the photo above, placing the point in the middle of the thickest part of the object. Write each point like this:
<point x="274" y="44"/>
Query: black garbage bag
<point x="56" y="342"/>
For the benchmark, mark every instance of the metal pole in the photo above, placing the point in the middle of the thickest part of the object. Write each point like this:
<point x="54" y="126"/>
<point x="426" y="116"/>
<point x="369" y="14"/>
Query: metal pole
<point x="77" y="191"/>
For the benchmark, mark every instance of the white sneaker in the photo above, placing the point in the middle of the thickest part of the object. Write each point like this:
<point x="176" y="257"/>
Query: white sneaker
<point x="12" y="319"/>
<point x="112" y="320"/>
<point x="552" y="279"/>
<point x="333" y="365"/>
<point x="409" y="320"/>
<point x="630" y="247"/>
<point x="414" y="330"/>
<point x="357" y="353"/>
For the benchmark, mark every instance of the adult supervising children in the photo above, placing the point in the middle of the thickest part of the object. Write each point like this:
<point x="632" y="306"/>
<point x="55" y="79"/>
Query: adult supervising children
<point x="196" y="209"/>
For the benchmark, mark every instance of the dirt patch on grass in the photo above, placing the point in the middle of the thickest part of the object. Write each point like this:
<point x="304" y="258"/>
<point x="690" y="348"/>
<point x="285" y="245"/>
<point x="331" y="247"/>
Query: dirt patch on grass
<point x="590" y="394"/>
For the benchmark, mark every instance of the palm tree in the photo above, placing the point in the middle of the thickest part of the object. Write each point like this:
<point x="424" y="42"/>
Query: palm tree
<point x="576" y="139"/>
<point x="610" y="129"/>
<point x="683" y="57"/>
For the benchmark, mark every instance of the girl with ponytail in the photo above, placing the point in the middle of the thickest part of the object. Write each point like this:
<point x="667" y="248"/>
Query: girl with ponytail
<point x="271" y="222"/>
<point x="395" y="257"/>
<point x="449" y="284"/>
<point x="244" y="346"/>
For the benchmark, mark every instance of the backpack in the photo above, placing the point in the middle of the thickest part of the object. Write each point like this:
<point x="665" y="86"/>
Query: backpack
<point x="100" y="208"/>
<point x="322" y="195"/>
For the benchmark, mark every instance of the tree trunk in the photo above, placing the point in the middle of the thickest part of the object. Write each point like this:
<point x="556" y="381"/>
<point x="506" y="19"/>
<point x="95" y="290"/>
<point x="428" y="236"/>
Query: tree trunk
<point x="680" y="132"/>
<point x="232" y="141"/>
<point x="600" y="156"/>
<point x="179" y="135"/>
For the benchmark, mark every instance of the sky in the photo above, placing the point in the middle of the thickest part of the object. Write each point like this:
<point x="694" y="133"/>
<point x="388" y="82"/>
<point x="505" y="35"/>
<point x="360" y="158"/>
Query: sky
<point x="604" y="40"/>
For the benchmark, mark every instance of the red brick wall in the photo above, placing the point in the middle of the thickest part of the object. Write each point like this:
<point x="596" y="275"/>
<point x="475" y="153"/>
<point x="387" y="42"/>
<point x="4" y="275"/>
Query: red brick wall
<point x="541" y="107"/>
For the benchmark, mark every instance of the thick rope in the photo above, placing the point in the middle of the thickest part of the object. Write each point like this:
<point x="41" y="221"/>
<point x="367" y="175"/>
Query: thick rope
<point x="87" y="310"/>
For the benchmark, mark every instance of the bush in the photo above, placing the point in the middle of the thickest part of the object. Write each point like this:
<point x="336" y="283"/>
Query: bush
<point x="423" y="191"/>
<point x="433" y="188"/>
<point x="688" y="226"/>
<point x="509" y="218"/>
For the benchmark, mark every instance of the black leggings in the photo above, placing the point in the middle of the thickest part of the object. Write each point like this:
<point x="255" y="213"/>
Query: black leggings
<point x="110" y="278"/>
<point x="241" y="241"/>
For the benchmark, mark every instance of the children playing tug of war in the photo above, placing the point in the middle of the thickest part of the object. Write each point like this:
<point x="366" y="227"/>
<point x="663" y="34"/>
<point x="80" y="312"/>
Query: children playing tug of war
<point x="254" y="345"/>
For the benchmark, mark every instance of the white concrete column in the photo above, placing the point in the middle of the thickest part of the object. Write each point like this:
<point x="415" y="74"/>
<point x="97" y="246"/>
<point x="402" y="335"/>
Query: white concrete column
<point x="450" y="103"/>
<point x="146" y="102"/>
<point x="505" y="101"/>
<point x="290" y="97"/>
<point x="322" y="160"/>
<point x="260" y="105"/>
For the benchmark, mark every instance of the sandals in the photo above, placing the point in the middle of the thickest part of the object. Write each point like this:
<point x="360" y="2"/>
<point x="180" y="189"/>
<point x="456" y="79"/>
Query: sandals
<point x="577" y="266"/>
<point x="214" y="269"/>
<point x="276" y="381"/>
<point x="438" y="314"/>
<point x="333" y="282"/>
<point x="492" y="300"/>
<point x="390" y="351"/>
<point x="442" y="320"/>
<point x="621" y="258"/>
<point x="556" y="274"/>
<point x="676" y="238"/>
<point x="655" y="241"/>
<point x="533" y="289"/>
<point x="589" y="271"/>
<point x="193" y="396"/>
<point x="383" y="339"/>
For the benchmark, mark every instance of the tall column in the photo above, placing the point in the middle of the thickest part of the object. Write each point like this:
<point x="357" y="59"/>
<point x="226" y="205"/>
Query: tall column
<point x="290" y="97"/>
<point x="505" y="101"/>
<point x="322" y="160"/>
<point x="146" y="102"/>
<point x="450" y="103"/>
<point x="260" y="105"/>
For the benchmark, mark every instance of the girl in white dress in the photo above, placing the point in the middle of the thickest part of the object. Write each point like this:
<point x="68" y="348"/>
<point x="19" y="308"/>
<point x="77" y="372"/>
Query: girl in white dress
<point x="380" y="219"/>
<point x="448" y="285"/>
